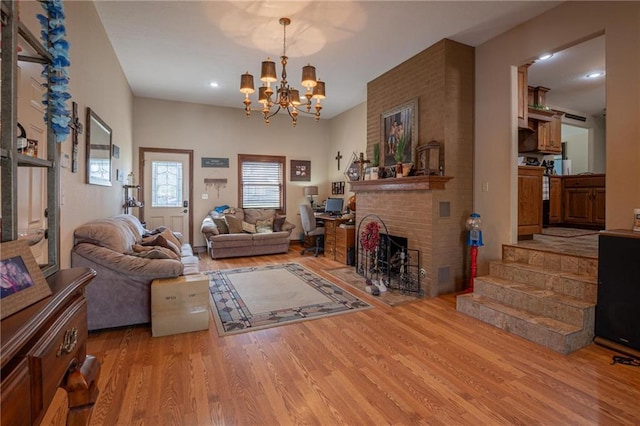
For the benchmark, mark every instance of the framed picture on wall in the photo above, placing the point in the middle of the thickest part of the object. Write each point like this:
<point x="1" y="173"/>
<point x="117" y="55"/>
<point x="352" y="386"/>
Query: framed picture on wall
<point x="399" y="129"/>
<point x="300" y="171"/>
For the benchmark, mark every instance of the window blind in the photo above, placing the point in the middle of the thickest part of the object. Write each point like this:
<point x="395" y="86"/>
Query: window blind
<point x="262" y="184"/>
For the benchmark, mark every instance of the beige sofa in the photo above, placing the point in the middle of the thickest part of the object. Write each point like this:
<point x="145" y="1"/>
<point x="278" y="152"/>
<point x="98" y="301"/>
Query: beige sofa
<point x="127" y="258"/>
<point x="246" y="232"/>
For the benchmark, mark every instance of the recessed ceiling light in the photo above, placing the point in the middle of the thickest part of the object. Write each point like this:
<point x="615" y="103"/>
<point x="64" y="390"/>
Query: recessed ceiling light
<point x="213" y="84"/>
<point x="595" y="74"/>
<point x="545" y="56"/>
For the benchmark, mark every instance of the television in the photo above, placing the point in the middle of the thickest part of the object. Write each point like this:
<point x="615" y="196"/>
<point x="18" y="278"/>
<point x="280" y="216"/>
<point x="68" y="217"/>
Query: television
<point x="333" y="206"/>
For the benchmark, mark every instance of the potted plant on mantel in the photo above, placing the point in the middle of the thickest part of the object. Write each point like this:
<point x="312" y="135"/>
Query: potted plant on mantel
<point x="376" y="161"/>
<point x="398" y="155"/>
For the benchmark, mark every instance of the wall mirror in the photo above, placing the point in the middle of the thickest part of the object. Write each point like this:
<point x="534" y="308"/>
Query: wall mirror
<point x="98" y="150"/>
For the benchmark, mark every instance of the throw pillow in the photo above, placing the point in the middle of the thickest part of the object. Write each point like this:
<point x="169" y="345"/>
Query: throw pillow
<point x="278" y="221"/>
<point x="234" y="224"/>
<point x="153" y="252"/>
<point x="169" y="235"/>
<point x="264" y="226"/>
<point x="161" y="241"/>
<point x="249" y="227"/>
<point x="221" y="224"/>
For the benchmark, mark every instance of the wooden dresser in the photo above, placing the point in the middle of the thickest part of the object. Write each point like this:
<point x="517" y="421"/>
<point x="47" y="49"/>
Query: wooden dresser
<point x="43" y="348"/>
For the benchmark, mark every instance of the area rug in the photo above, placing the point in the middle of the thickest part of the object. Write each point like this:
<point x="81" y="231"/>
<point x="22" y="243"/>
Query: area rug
<point x="567" y="232"/>
<point x="253" y="298"/>
<point x="350" y="277"/>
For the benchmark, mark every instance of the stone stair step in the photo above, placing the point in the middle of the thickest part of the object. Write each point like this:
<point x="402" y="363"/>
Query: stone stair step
<point x="554" y="334"/>
<point x="574" y="285"/>
<point x="537" y="301"/>
<point x="552" y="261"/>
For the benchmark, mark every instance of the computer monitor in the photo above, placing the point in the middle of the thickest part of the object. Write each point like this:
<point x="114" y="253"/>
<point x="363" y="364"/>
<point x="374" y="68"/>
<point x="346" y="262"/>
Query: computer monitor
<point x="333" y="205"/>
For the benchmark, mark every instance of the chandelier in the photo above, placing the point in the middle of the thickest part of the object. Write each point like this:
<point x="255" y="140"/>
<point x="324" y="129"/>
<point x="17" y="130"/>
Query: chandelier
<point x="284" y="97"/>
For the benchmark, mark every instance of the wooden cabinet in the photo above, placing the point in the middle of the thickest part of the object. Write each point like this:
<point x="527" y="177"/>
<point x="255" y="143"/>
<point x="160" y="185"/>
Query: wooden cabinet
<point x="345" y="240"/>
<point x="541" y="131"/>
<point x="584" y="200"/>
<point x="43" y="347"/>
<point x="555" y="199"/>
<point x="337" y="239"/>
<point x="330" y="227"/>
<point x="529" y="201"/>
<point x="523" y="97"/>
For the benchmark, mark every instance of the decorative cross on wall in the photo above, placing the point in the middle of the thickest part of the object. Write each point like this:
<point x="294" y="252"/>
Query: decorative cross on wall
<point x="76" y="129"/>
<point x="338" y="157"/>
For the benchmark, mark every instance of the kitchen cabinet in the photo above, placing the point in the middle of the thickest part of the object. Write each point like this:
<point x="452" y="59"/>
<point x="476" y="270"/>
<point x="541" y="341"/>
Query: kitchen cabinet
<point x="555" y="199"/>
<point x="523" y="98"/>
<point x="584" y="200"/>
<point x="529" y="201"/>
<point x="542" y="135"/>
<point x="542" y="127"/>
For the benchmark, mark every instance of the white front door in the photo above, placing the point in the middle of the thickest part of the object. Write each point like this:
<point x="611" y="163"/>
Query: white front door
<point x="166" y="191"/>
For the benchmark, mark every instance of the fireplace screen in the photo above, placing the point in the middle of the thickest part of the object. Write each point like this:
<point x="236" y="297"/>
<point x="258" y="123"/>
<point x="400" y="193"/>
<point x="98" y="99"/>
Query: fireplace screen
<point x="387" y="258"/>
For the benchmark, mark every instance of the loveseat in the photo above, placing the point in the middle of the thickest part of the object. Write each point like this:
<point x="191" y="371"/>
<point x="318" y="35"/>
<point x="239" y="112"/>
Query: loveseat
<point x="236" y="232"/>
<point x="127" y="258"/>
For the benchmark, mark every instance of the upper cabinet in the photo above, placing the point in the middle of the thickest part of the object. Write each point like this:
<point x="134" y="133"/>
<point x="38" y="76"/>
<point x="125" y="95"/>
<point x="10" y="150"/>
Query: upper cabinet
<point x="523" y="99"/>
<point x="542" y="132"/>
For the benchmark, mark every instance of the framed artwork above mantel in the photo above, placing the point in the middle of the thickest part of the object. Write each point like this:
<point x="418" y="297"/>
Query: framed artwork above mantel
<point x="397" y="124"/>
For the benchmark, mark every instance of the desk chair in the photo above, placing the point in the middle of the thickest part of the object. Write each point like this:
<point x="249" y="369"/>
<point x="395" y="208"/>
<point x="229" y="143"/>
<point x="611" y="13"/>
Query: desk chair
<point x="311" y="229"/>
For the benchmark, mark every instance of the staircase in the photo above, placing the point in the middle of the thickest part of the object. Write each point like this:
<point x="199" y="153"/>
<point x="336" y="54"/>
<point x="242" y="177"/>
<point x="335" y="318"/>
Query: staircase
<point x="547" y="298"/>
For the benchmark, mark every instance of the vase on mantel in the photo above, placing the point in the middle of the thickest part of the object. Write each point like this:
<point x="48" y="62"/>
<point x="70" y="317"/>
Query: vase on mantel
<point x="399" y="170"/>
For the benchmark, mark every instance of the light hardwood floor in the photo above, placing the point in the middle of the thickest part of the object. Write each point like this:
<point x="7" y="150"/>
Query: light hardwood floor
<point x="419" y="363"/>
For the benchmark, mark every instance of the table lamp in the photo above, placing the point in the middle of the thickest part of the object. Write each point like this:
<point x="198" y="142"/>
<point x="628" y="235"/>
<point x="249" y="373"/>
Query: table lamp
<point x="310" y="191"/>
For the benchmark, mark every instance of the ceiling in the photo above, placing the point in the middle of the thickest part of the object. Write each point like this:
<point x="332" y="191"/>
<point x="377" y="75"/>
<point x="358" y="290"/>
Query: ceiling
<point x="565" y="75"/>
<point x="173" y="49"/>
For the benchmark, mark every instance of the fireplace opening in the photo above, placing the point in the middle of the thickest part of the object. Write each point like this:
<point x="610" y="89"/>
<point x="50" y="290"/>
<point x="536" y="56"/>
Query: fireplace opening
<point x="391" y="262"/>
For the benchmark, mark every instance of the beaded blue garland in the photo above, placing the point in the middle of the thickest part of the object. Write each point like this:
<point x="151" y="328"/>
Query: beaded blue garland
<point x="53" y="38"/>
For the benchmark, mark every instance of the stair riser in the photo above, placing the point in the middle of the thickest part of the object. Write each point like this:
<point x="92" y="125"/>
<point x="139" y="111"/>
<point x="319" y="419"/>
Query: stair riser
<point x="583" y="290"/>
<point x="552" y="261"/>
<point x="536" y="304"/>
<point x="533" y="332"/>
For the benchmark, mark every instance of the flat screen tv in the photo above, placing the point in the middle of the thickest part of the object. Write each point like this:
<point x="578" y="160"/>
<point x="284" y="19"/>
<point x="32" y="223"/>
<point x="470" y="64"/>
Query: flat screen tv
<point x="333" y="205"/>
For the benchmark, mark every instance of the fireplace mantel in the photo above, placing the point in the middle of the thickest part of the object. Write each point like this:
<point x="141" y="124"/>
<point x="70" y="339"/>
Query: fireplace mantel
<point x="408" y="183"/>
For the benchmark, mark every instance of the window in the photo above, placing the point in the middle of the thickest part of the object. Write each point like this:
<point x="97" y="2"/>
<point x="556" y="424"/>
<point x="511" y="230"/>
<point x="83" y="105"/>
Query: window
<point x="166" y="184"/>
<point x="262" y="183"/>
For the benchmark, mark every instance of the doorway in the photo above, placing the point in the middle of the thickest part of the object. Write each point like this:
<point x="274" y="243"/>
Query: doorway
<point x="166" y="178"/>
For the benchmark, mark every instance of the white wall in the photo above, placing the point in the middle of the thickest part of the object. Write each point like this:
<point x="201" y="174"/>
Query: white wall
<point x="496" y="99"/>
<point x="226" y="132"/>
<point x="96" y="81"/>
<point x="349" y="136"/>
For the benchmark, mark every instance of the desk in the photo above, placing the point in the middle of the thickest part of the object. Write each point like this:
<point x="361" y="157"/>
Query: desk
<point x="337" y="240"/>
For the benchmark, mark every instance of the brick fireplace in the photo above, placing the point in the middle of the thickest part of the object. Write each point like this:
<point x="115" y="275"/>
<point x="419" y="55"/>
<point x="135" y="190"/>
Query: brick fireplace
<point x="417" y="208"/>
<point x="430" y="214"/>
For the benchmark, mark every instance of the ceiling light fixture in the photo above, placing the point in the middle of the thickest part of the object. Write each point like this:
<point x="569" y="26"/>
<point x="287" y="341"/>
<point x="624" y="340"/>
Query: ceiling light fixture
<point x="286" y="97"/>
<point x="213" y="84"/>
<point x="595" y="74"/>
<point x="545" y="56"/>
